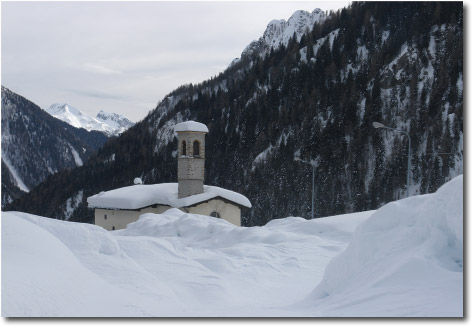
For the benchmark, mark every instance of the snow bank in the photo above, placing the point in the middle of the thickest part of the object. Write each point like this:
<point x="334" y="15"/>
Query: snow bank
<point x="53" y="268"/>
<point x="139" y="196"/>
<point x="171" y="264"/>
<point x="191" y="126"/>
<point x="405" y="260"/>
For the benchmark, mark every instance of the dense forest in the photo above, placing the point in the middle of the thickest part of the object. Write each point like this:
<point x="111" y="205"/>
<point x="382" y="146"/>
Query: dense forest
<point x="398" y="63"/>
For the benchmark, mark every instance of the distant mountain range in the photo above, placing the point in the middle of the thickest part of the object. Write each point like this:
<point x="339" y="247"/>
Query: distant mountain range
<point x="36" y="145"/>
<point x="111" y="124"/>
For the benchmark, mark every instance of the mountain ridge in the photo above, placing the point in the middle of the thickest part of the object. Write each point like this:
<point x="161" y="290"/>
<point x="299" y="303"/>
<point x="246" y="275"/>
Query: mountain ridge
<point x="111" y="124"/>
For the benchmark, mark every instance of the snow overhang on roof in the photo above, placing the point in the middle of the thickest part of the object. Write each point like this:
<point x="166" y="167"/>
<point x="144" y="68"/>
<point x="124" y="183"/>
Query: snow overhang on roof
<point x="191" y="126"/>
<point x="140" y="196"/>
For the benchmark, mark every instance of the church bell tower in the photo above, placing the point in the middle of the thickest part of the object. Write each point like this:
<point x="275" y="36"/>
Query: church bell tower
<point x="191" y="157"/>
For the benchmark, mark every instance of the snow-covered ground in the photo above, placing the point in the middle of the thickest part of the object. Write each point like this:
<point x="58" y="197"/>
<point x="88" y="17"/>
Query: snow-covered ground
<point x="403" y="260"/>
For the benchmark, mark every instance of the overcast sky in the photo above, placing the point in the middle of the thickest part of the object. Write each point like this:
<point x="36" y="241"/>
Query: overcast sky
<point x="124" y="57"/>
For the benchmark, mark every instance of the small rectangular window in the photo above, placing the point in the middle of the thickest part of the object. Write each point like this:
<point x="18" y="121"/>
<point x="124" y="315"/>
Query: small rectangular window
<point x="112" y="227"/>
<point x="105" y="216"/>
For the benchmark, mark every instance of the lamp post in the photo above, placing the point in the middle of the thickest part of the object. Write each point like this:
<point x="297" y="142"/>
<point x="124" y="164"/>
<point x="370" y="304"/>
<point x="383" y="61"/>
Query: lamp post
<point x="313" y="164"/>
<point x="379" y="125"/>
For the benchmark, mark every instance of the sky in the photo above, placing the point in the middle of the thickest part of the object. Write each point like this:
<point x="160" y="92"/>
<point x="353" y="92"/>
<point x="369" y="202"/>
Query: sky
<point x="124" y="57"/>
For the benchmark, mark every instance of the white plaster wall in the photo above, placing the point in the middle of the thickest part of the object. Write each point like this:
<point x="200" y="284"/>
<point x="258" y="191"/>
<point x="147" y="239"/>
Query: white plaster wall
<point x="121" y="218"/>
<point x="227" y="211"/>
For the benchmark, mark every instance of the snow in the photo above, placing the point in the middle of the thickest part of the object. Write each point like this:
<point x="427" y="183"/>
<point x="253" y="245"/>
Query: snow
<point x="303" y="54"/>
<point x="402" y="260"/>
<point x="77" y="159"/>
<point x="116" y="121"/>
<point x="405" y="260"/>
<point x="72" y="203"/>
<point x="319" y="43"/>
<point x="14" y="173"/>
<point x="460" y="84"/>
<point x="385" y="36"/>
<point x="171" y="264"/>
<point x="361" y="110"/>
<point x="261" y="158"/>
<point x="280" y="31"/>
<point x="362" y="53"/>
<point x="332" y="36"/>
<point x="139" y="196"/>
<point x="191" y="126"/>
<point x="77" y="118"/>
<point x="111" y="124"/>
<point x="432" y="47"/>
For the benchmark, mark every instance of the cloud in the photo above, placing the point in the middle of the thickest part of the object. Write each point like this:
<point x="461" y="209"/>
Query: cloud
<point x="98" y="94"/>
<point x="99" y="69"/>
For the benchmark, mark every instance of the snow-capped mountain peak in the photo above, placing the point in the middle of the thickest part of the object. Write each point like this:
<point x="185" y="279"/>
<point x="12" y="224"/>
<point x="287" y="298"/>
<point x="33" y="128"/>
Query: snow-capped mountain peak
<point x="116" y="121"/>
<point x="280" y="31"/>
<point x="111" y="124"/>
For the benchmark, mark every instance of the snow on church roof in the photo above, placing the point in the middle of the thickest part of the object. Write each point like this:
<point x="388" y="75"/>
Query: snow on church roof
<point x="139" y="196"/>
<point x="191" y="126"/>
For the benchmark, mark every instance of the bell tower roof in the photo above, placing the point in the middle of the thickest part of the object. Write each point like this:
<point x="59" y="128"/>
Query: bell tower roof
<point x="191" y="126"/>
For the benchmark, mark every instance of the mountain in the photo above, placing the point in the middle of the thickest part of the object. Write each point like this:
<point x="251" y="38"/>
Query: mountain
<point x="111" y="124"/>
<point x="279" y="32"/>
<point x="116" y="121"/>
<point x="36" y="145"/>
<point x="398" y="63"/>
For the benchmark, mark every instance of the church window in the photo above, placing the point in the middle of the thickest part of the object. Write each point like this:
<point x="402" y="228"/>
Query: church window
<point x="105" y="216"/>
<point x="196" y="149"/>
<point x="215" y="214"/>
<point x="184" y="148"/>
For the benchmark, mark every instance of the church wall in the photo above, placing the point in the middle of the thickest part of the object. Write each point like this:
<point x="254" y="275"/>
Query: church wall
<point x="227" y="211"/>
<point x="121" y="218"/>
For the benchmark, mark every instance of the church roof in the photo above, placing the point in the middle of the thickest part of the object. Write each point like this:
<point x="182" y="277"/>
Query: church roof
<point x="191" y="126"/>
<point x="139" y="196"/>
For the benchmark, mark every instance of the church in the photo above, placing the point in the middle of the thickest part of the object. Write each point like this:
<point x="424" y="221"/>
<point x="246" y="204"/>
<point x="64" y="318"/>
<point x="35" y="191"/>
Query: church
<point x="117" y="208"/>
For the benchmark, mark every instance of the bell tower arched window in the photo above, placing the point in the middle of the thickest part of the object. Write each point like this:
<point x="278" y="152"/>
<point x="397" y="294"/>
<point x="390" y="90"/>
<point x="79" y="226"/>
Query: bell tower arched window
<point x="184" y="148"/>
<point x="196" y="149"/>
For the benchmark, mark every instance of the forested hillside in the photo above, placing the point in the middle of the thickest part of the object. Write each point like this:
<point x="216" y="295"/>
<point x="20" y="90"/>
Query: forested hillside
<point x="398" y="63"/>
<point x="36" y="145"/>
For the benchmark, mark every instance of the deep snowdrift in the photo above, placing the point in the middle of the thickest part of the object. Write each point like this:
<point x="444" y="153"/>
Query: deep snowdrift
<point x="403" y="260"/>
<point x="171" y="264"/>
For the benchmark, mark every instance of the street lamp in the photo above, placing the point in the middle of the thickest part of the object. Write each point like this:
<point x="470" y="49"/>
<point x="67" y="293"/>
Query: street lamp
<point x="313" y="164"/>
<point x="379" y="125"/>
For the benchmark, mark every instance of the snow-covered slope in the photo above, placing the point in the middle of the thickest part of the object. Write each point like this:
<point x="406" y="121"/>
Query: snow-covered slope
<point x="406" y="260"/>
<point x="403" y="260"/>
<point x="111" y="124"/>
<point x="116" y="121"/>
<point x="279" y="32"/>
<point x="171" y="264"/>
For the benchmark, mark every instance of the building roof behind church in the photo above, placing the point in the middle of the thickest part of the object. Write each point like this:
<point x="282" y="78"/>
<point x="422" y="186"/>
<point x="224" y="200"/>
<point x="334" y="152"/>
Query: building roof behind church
<point x="191" y="126"/>
<point x="139" y="196"/>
